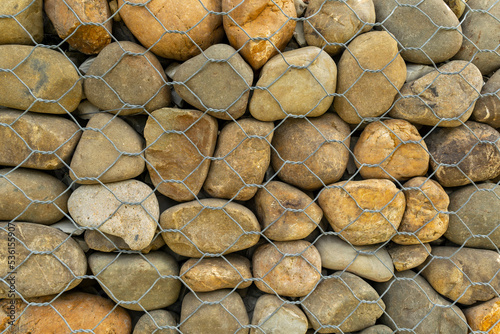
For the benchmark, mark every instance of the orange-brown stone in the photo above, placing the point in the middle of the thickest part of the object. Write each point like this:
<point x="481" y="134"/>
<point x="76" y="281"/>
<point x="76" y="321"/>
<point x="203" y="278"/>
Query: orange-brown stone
<point x="484" y="317"/>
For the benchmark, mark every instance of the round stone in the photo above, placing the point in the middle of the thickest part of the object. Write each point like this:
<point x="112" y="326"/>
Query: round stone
<point x="151" y="322"/>
<point x="487" y="108"/>
<point x="377" y="329"/>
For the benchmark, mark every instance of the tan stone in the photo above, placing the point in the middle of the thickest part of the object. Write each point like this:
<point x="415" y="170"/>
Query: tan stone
<point x="387" y="144"/>
<point x="71" y="20"/>
<point x="410" y="256"/>
<point x="149" y="20"/>
<point x="39" y="73"/>
<point x="245" y="160"/>
<point x="180" y="157"/>
<point x="369" y="94"/>
<point x="150" y="323"/>
<point x="487" y="108"/>
<point x="344" y="205"/>
<point x="104" y="242"/>
<point x="484" y="317"/>
<point x="26" y="24"/>
<point x="456" y="6"/>
<point x="246" y="21"/>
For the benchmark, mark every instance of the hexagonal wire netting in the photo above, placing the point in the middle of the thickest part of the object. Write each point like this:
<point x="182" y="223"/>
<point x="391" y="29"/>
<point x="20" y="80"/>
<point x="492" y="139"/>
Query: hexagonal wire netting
<point x="248" y="166"/>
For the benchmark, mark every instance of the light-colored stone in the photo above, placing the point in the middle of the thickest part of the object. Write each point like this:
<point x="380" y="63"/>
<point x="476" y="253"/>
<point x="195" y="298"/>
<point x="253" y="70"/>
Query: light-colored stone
<point x="103" y="242"/>
<point x="406" y="257"/>
<point x="151" y="322"/>
<point x="484" y="317"/>
<point x="487" y="108"/>
<point x="26" y="24"/>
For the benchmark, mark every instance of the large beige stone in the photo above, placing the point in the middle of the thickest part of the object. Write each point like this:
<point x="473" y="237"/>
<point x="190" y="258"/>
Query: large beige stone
<point x="25" y="26"/>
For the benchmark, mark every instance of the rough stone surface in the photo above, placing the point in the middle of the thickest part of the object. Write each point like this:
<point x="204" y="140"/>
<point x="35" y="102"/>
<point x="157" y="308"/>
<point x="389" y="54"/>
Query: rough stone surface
<point x="438" y="95"/>
<point x="387" y="145"/>
<point x="295" y="91"/>
<point x="152" y="321"/>
<point x="209" y="226"/>
<point x="39" y="73"/>
<point x="174" y="156"/>
<point x="142" y="284"/>
<point x="29" y="14"/>
<point x="343" y="204"/>
<point x="259" y="19"/>
<point x="484" y="317"/>
<point x="216" y="85"/>
<point x="472" y="148"/>
<point x="293" y="275"/>
<point x="103" y="242"/>
<point x="127" y="81"/>
<point x="245" y="162"/>
<point x="369" y="94"/>
<point x="209" y="274"/>
<point x="199" y="28"/>
<point x="273" y="204"/>
<point x="100" y="207"/>
<point x="487" y="108"/>
<point x="377" y="329"/>
<point x="39" y="274"/>
<point x="406" y="257"/>
<point x="343" y="300"/>
<point x="305" y="141"/>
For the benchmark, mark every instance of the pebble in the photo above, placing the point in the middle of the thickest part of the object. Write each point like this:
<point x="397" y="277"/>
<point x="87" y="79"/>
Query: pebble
<point x="26" y="24"/>
<point x="377" y="329"/>
<point x="152" y="321"/>
<point x="484" y="317"/>
<point x="406" y="257"/>
<point x="487" y="108"/>
<point x="103" y="242"/>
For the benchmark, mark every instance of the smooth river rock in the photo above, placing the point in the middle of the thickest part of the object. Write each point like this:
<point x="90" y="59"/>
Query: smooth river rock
<point x="152" y="321"/>
<point x="26" y="24"/>
<point x="484" y="317"/>
<point x="377" y="329"/>
<point x="487" y="108"/>
<point x="406" y="257"/>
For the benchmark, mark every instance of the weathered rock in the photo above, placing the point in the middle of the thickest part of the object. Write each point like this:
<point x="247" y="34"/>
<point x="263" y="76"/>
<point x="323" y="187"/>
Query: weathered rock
<point x="38" y="274"/>
<point x="151" y="322"/>
<point x="103" y="242"/>
<point x="444" y="97"/>
<point x="410" y="256"/>
<point x="26" y="24"/>
<point x="142" y="284"/>
<point x="179" y="157"/>
<point x="425" y="217"/>
<point x="101" y="207"/>
<point x="274" y="316"/>
<point x="344" y="205"/>
<point x="465" y="275"/>
<point x="127" y="83"/>
<point x="273" y="205"/>
<point x="370" y="262"/>
<point x="316" y="148"/>
<point x="377" y="329"/>
<point x="439" y="35"/>
<point x="487" y="108"/>
<point x="307" y="90"/>
<point x="209" y="226"/>
<point x="292" y="275"/>
<point x="456" y="6"/>
<point x="214" y="84"/>
<point x="480" y="27"/>
<point x="259" y="29"/>
<point x="369" y="94"/>
<point x="226" y="315"/>
<point x="209" y="274"/>
<point x="471" y="149"/>
<point x="412" y="304"/>
<point x="85" y="25"/>
<point x="39" y="73"/>
<point x="337" y="22"/>
<point x="416" y="71"/>
<point x="344" y="301"/>
<point x="245" y="160"/>
<point x="484" y="317"/>
<point x="395" y="146"/>
<point x="149" y="23"/>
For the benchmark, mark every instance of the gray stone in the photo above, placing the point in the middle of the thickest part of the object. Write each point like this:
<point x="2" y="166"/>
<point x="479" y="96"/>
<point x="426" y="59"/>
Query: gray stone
<point x="152" y="321"/>
<point x="103" y="242"/>
<point x="406" y="257"/>
<point x="26" y="24"/>
<point x="487" y="108"/>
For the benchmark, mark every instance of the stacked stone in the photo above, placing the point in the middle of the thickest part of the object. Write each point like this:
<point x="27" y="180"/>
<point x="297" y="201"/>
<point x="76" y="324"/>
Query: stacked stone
<point x="249" y="167"/>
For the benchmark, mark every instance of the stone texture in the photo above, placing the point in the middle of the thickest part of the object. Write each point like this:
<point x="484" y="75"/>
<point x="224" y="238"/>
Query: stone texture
<point x="273" y="205"/>
<point x="292" y="275"/>
<point x="149" y="23"/>
<point x="214" y="84"/>
<point x="295" y="91"/>
<point x="227" y="315"/>
<point x="434" y="21"/>
<point x="487" y="108"/>
<point x="245" y="160"/>
<point x="337" y="22"/>
<point x="209" y="226"/>
<point x="439" y="95"/>
<point x="39" y="274"/>
<point x="71" y="20"/>
<point x="100" y="207"/>
<point x="484" y="317"/>
<point x="425" y="216"/>
<point x="142" y="284"/>
<point x="29" y="16"/>
<point x="247" y="21"/>
<point x="274" y="316"/>
<point x="387" y="144"/>
<point x="369" y="262"/>
<point x="406" y="257"/>
<point x="472" y="149"/>
<point x="343" y="204"/>
<point x="128" y="83"/>
<point x="39" y="73"/>
<point x="369" y="94"/>
<point x="454" y="272"/>
<point x="377" y="329"/>
<point x="343" y="300"/>
<point x="305" y="141"/>
<point x="209" y="274"/>
<point x="20" y="187"/>
<point x="412" y="304"/>
<point x="179" y="156"/>
<point x="103" y="242"/>
<point x="68" y="312"/>
<point x="456" y="6"/>
<point x="152" y="321"/>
